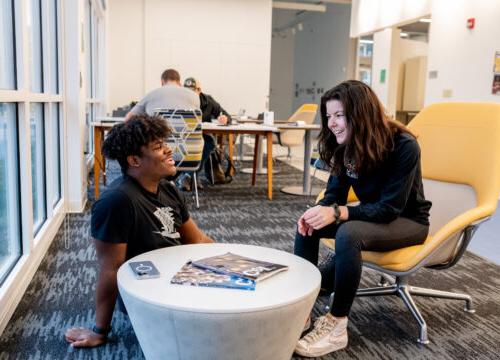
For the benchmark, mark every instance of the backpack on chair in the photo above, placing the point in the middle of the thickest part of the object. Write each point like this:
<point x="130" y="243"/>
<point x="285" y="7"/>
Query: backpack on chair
<point x="219" y="167"/>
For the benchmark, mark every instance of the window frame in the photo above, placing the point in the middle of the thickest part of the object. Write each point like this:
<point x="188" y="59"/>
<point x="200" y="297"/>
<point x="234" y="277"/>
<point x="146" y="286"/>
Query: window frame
<point x="6" y="269"/>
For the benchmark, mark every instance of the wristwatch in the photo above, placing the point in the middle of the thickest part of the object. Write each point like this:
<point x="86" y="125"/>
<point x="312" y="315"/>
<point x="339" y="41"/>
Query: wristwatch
<point x="101" y="331"/>
<point x="336" y="211"/>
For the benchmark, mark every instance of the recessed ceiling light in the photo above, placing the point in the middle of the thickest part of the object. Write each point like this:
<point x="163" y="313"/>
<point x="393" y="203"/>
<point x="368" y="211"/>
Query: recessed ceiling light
<point x="425" y="20"/>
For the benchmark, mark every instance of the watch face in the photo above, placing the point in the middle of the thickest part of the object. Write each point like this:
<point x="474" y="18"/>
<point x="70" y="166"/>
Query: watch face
<point x="336" y="211"/>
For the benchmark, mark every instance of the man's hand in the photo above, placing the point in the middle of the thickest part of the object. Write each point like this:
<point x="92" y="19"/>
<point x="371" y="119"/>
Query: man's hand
<point x="222" y="119"/>
<point x="82" y="337"/>
<point x="319" y="216"/>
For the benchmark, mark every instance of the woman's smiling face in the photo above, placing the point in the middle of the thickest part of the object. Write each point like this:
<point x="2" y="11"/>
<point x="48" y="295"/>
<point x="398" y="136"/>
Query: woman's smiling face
<point x="337" y="120"/>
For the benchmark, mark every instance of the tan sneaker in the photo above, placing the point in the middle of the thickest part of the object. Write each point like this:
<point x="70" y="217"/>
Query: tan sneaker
<point x="329" y="334"/>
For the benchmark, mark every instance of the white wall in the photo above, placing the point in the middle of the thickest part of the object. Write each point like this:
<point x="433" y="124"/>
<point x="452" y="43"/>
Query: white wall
<point x="414" y="83"/>
<point x="310" y="61"/>
<point x="125" y="52"/>
<point x="368" y="16"/>
<point x="322" y="52"/>
<point x="412" y="48"/>
<point x="409" y="49"/>
<point x="282" y="66"/>
<point x="463" y="58"/>
<point x="226" y="44"/>
<point x="381" y="60"/>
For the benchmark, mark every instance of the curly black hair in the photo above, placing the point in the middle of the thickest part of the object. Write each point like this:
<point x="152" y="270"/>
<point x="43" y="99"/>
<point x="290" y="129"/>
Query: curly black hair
<point x="127" y="138"/>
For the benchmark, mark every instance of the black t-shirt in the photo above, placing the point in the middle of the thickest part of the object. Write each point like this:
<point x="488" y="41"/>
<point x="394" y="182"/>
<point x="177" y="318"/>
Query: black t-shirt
<point x="128" y="213"/>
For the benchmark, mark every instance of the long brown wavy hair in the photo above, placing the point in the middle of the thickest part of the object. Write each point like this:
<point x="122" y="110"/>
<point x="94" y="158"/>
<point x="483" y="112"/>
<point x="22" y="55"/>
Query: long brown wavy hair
<point x="370" y="129"/>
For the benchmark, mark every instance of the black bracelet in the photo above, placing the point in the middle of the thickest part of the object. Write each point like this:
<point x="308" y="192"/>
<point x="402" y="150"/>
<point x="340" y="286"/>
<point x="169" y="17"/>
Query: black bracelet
<point x="336" y="211"/>
<point x="101" y="331"/>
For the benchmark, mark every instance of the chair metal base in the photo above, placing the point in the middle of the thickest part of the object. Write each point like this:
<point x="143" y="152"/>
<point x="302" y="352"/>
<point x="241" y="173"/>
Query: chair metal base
<point x="405" y="291"/>
<point x="196" y="189"/>
<point x="299" y="190"/>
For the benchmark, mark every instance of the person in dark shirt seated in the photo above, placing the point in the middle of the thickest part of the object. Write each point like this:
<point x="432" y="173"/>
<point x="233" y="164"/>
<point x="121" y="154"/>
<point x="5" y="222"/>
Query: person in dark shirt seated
<point x="141" y="211"/>
<point x="210" y="109"/>
<point x="380" y="160"/>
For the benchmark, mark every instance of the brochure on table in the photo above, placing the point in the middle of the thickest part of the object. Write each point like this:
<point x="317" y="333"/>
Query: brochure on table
<point x="194" y="276"/>
<point x="237" y="265"/>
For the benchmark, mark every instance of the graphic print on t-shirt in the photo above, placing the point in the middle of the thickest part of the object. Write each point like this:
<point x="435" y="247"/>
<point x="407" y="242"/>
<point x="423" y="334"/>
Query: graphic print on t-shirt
<point x="166" y="218"/>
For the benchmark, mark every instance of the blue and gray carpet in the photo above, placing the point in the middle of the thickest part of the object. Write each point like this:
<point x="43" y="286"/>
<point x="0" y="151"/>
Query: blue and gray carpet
<point x="61" y="294"/>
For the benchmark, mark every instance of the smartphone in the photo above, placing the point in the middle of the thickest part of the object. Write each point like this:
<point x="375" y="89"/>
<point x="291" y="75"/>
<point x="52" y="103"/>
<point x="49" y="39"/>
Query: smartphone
<point x="144" y="269"/>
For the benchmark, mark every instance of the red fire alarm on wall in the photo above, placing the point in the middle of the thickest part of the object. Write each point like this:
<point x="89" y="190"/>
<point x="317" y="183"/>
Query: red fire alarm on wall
<point x="471" y="23"/>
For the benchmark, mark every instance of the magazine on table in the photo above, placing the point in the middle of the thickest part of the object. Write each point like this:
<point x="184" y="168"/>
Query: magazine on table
<point x="237" y="265"/>
<point x="194" y="276"/>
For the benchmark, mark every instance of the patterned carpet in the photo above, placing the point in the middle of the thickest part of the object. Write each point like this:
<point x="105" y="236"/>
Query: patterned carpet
<point x="62" y="292"/>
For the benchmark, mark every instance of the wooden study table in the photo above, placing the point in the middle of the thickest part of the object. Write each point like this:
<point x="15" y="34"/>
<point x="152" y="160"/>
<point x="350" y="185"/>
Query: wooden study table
<point x="99" y="161"/>
<point x="229" y="130"/>
<point x="250" y="129"/>
<point x="305" y="189"/>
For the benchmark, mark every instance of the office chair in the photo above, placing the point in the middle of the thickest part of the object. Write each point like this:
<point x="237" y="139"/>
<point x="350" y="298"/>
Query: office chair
<point x="289" y="138"/>
<point x="460" y="149"/>
<point x="186" y="140"/>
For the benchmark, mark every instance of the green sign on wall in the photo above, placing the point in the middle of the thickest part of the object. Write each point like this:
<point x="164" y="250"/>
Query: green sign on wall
<point x="382" y="76"/>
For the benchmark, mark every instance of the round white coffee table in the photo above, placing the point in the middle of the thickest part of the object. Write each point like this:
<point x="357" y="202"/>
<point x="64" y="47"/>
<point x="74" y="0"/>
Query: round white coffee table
<point x="189" y="322"/>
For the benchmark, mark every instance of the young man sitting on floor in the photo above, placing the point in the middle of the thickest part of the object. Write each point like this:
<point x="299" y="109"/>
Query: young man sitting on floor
<point x="141" y="211"/>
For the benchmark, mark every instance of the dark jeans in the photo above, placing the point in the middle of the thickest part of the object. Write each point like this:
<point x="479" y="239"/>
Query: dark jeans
<point x="208" y="147"/>
<point x="350" y="238"/>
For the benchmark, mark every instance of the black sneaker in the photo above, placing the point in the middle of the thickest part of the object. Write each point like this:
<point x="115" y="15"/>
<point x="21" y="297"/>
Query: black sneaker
<point x="199" y="185"/>
<point x="184" y="182"/>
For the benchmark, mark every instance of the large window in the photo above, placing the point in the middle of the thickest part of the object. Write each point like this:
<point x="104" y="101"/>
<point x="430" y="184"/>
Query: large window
<point x="54" y="152"/>
<point x="365" y="54"/>
<point x="38" y="165"/>
<point x="10" y="238"/>
<point x="35" y="38"/>
<point x="7" y="61"/>
<point x="93" y="33"/>
<point x="52" y="48"/>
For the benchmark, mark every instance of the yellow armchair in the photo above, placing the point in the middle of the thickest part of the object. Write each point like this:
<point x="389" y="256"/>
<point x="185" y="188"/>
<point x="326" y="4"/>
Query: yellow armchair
<point x="460" y="147"/>
<point x="289" y="138"/>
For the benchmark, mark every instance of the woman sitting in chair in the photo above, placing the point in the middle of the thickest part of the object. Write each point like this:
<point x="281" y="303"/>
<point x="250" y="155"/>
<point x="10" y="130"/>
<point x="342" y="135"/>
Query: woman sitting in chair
<point x="380" y="160"/>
